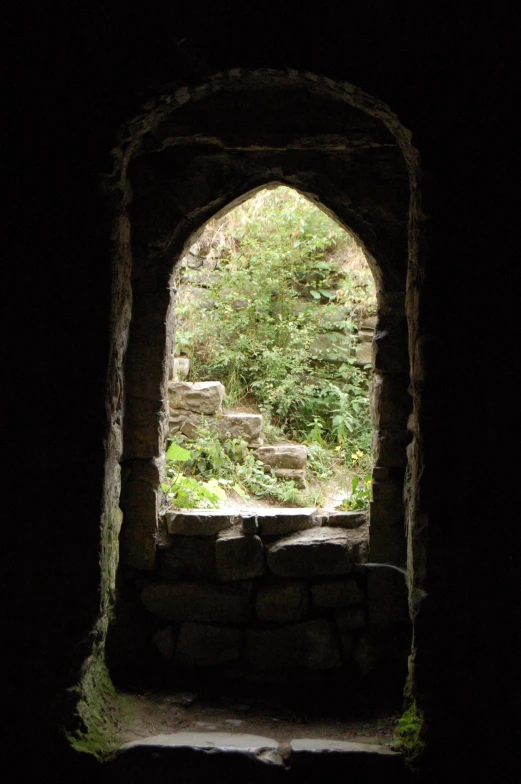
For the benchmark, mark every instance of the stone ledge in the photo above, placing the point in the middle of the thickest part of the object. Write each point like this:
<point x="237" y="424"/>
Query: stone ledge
<point x="198" y="522"/>
<point x="317" y="552"/>
<point x="276" y="521"/>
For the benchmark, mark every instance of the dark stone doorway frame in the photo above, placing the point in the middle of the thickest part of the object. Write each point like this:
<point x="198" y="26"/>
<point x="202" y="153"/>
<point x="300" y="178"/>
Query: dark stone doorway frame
<point x="197" y="153"/>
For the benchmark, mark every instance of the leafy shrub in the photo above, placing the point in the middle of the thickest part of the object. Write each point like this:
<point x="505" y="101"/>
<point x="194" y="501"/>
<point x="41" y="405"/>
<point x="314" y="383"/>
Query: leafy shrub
<point x="278" y="251"/>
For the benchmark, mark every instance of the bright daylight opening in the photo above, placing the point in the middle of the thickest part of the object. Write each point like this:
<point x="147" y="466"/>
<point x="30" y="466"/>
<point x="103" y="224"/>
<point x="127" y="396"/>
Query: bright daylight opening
<point x="275" y="313"/>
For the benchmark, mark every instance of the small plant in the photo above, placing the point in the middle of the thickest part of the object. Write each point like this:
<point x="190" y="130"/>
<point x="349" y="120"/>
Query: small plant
<point x="185" y="492"/>
<point x="359" y="496"/>
<point x="408" y="733"/>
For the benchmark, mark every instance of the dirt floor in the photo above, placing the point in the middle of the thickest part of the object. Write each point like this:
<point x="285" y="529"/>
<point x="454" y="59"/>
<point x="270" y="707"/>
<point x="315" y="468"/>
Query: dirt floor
<point x="144" y="715"/>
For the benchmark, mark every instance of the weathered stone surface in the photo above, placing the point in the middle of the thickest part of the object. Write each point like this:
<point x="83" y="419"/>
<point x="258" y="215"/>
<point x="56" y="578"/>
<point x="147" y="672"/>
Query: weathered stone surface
<point x="332" y="346"/>
<point x="365" y="335"/>
<point x="239" y="556"/>
<point x="390" y="401"/>
<point x="387" y="597"/>
<point x="337" y="593"/>
<point x="390" y="449"/>
<point x="283" y="455"/>
<point x="389" y="491"/>
<point x="320" y="551"/>
<point x="296" y="475"/>
<point x="180" y="368"/>
<point x="282" y="603"/>
<point x="209" y="741"/>
<point x="200" y="397"/>
<point x="277" y="521"/>
<point x="200" y="522"/>
<point x="366" y="653"/>
<point x="188" y="556"/>
<point x="140" y="502"/>
<point x="249" y="524"/>
<point x="345" y="519"/>
<point x="350" y="620"/>
<point x="347" y="642"/>
<point x="198" y="602"/>
<point x="245" y="426"/>
<point x="164" y="642"/>
<point x="310" y="645"/>
<point x="201" y="645"/>
<point x="364" y="354"/>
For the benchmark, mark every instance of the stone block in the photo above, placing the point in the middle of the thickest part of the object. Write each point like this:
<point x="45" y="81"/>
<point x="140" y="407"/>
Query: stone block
<point x="364" y="354"/>
<point x="180" y="368"/>
<point x="239" y="556"/>
<point x="199" y="397"/>
<point x="345" y="519"/>
<point x="164" y="642"/>
<point x="390" y="342"/>
<point x="188" y="556"/>
<point x="391" y="402"/>
<point x="245" y="426"/>
<point x="296" y="475"/>
<point x="320" y="551"/>
<point x="200" y="645"/>
<point x="337" y="593"/>
<point x="310" y="645"/>
<point x="390" y="449"/>
<point x="332" y="347"/>
<point x="277" y="521"/>
<point x="198" y="522"/>
<point x="198" y="602"/>
<point x="249" y="524"/>
<point x="282" y="603"/>
<point x="350" y="620"/>
<point x="283" y="455"/>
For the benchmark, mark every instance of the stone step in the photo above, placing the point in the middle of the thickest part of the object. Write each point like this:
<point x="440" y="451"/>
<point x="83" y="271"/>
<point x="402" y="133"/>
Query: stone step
<point x="233" y="425"/>
<point x="210" y="757"/>
<point x="277" y="521"/>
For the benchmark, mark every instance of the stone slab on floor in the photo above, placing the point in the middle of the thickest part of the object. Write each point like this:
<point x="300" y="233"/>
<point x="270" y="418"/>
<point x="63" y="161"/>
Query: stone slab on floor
<point x="310" y="645"/>
<point x="338" y="760"/>
<point x="277" y="521"/>
<point x="283" y="455"/>
<point x="239" y="556"/>
<point x="221" y="741"/>
<point x="199" y="397"/>
<point x="198" y="522"/>
<point x="203" y="645"/>
<point x="198" y="602"/>
<point x="319" y="551"/>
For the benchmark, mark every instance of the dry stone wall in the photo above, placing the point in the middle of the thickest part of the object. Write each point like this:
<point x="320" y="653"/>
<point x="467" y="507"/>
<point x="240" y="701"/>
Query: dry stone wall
<point x="266" y="591"/>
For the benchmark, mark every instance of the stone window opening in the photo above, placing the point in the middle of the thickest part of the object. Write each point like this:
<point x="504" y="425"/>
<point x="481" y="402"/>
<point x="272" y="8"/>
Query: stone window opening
<point x="356" y="172"/>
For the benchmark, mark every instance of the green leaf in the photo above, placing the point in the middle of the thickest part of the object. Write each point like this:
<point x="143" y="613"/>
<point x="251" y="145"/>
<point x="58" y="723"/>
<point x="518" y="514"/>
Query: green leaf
<point x="314" y="294"/>
<point x="176" y="452"/>
<point x="354" y="483"/>
<point x="238" y="489"/>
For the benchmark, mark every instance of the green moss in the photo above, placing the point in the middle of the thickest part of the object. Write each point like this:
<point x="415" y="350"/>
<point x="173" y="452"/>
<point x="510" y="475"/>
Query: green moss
<point x="408" y="732"/>
<point x="96" y="713"/>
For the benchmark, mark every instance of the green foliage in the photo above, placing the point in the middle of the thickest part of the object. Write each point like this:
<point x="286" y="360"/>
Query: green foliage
<point x="408" y="732"/>
<point x="225" y="468"/>
<point x="279" y="255"/>
<point x="359" y="496"/>
<point x="185" y="492"/>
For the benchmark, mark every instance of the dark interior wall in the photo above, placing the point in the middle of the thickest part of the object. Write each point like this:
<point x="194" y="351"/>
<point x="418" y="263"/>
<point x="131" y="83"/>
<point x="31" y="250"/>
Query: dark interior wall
<point x="75" y="75"/>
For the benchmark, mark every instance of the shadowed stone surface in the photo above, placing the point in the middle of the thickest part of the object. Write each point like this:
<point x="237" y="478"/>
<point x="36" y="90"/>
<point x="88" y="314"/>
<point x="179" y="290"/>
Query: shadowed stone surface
<point x="275" y="521"/>
<point x="320" y="551"/>
<point x="349" y="620"/>
<point x="195" y="602"/>
<point x="283" y="455"/>
<point x="310" y="645"/>
<point x="337" y="593"/>
<point x="164" y="642"/>
<point x="198" y="523"/>
<point x="188" y="556"/>
<point x="345" y="519"/>
<point x="282" y="602"/>
<point x="203" y="645"/>
<point x="239" y="556"/>
<point x="200" y="397"/>
<point x="366" y="653"/>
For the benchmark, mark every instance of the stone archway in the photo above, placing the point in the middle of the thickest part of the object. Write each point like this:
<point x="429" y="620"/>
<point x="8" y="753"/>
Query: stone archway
<point x="198" y="152"/>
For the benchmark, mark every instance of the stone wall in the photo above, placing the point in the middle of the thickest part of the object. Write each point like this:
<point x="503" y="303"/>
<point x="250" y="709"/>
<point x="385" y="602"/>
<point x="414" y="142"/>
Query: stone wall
<point x="271" y="590"/>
